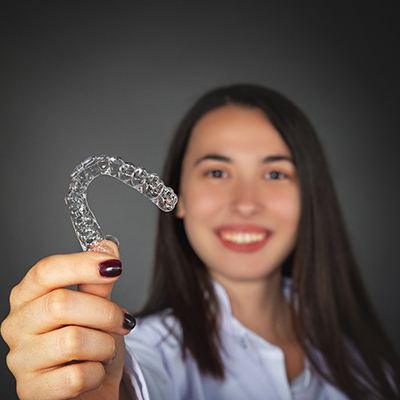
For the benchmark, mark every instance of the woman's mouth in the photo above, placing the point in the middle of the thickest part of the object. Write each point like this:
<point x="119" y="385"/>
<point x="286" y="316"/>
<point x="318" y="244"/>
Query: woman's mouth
<point x="243" y="238"/>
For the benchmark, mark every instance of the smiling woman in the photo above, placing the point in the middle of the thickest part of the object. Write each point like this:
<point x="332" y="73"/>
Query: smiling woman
<point x="255" y="292"/>
<point x="255" y="287"/>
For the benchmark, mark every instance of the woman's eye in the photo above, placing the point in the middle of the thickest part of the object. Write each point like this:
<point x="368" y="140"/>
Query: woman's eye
<point x="276" y="175"/>
<point x="215" y="173"/>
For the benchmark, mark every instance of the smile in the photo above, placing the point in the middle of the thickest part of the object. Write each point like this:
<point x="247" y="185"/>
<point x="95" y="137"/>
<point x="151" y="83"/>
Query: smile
<point x="243" y="238"/>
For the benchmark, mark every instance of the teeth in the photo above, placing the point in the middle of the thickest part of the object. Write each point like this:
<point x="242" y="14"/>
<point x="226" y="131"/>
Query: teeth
<point x="243" y="237"/>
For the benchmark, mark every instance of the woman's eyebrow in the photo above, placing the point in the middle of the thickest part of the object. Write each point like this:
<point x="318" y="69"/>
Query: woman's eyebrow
<point x="214" y="157"/>
<point x="265" y="160"/>
<point x="277" y="157"/>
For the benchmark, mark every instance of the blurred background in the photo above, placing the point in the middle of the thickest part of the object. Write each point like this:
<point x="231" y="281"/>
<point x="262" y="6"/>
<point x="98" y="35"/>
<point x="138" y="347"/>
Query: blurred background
<point x="109" y="77"/>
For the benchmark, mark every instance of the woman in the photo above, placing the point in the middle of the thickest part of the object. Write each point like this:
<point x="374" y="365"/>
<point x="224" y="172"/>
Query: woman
<point x="255" y="292"/>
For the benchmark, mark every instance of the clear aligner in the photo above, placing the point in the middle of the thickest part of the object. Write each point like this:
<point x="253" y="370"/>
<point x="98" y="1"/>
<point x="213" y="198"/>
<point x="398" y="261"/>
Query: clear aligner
<point x="86" y="227"/>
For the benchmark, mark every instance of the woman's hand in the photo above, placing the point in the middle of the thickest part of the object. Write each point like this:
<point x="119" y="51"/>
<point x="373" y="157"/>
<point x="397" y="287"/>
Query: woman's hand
<point x="66" y="343"/>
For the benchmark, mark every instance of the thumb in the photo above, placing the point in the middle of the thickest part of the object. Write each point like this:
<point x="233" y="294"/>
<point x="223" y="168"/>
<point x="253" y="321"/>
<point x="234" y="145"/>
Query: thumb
<point x="102" y="289"/>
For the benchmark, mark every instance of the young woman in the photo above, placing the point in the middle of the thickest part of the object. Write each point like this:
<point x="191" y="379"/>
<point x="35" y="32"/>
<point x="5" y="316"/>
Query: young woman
<point x="255" y="292"/>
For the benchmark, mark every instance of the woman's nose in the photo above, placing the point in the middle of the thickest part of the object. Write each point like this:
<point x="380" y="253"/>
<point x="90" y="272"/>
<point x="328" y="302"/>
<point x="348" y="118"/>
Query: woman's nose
<point x="246" y="200"/>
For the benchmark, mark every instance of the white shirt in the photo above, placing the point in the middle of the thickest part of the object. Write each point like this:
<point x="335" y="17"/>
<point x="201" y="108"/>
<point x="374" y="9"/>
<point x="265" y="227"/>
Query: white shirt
<point x="254" y="368"/>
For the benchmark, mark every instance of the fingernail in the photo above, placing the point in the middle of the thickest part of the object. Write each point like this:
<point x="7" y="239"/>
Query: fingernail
<point x="113" y="239"/>
<point x="110" y="268"/>
<point x="129" y="321"/>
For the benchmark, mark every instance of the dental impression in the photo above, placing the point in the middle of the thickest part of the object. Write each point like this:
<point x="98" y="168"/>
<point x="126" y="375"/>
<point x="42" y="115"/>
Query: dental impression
<point x="84" y="222"/>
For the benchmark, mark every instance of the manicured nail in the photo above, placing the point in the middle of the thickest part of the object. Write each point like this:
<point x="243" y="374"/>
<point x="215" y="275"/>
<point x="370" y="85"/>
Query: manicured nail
<point x="110" y="268"/>
<point x="129" y="321"/>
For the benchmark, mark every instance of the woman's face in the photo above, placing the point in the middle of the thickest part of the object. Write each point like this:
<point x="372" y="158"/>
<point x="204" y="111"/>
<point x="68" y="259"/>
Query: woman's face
<point x="239" y="194"/>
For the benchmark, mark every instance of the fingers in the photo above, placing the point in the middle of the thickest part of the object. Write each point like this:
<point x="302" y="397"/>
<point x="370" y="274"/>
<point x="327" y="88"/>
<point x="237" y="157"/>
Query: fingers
<point x="63" y="270"/>
<point x="63" y="307"/>
<point x="73" y="343"/>
<point x="62" y="383"/>
<point x="49" y="326"/>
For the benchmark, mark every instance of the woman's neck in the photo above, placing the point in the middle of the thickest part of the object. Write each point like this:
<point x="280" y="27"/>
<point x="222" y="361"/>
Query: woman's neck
<point x="261" y="306"/>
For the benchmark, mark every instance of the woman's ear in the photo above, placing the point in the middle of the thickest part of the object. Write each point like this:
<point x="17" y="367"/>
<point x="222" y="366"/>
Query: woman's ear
<point x="180" y="209"/>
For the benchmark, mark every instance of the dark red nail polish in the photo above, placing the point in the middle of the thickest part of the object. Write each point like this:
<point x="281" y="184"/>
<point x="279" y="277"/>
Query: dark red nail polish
<point x="129" y="321"/>
<point x="110" y="268"/>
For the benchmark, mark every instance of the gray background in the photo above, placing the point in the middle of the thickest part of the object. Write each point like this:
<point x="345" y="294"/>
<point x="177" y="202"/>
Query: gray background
<point x="80" y="78"/>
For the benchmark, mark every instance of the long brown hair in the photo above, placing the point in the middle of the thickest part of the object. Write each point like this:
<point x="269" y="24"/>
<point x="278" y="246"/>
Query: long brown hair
<point x="334" y="318"/>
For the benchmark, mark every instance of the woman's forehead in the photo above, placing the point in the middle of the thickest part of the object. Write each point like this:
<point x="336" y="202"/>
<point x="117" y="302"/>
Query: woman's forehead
<point x="233" y="128"/>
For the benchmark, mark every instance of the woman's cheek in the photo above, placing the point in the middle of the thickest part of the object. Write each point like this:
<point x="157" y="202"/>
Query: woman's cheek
<point x="203" y="201"/>
<point x="287" y="207"/>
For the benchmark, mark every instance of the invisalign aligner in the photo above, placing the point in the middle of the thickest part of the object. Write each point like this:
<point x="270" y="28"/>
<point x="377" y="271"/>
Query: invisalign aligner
<point x="86" y="227"/>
